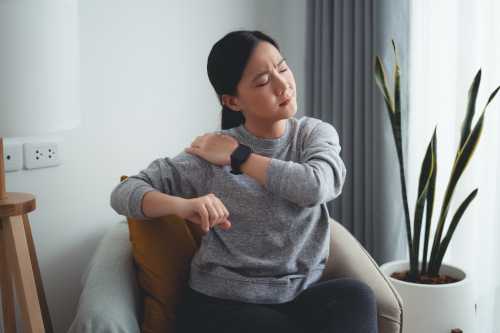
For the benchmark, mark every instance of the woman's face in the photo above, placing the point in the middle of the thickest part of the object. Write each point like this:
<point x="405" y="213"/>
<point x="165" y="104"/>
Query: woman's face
<point x="267" y="81"/>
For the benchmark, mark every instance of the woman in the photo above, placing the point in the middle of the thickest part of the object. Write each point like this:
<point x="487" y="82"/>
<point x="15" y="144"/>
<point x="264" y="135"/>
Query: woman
<point x="258" y="188"/>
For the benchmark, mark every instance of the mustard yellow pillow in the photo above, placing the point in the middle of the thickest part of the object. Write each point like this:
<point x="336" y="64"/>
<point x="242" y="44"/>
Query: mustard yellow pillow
<point x="162" y="251"/>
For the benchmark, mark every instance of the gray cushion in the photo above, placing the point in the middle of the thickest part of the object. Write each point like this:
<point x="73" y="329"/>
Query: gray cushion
<point x="109" y="299"/>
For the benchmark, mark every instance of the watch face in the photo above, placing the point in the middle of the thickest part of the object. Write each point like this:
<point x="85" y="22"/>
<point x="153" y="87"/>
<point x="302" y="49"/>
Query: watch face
<point x="238" y="157"/>
<point x="239" y="154"/>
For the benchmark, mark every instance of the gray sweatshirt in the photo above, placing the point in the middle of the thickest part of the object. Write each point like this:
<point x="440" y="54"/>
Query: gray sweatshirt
<point x="279" y="240"/>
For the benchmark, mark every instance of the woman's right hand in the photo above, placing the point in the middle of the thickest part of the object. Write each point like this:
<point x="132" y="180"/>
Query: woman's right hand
<point x="207" y="211"/>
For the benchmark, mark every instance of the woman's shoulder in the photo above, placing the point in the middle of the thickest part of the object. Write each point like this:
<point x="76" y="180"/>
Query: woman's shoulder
<point x="182" y="161"/>
<point x="186" y="158"/>
<point x="307" y="125"/>
<point x="307" y="121"/>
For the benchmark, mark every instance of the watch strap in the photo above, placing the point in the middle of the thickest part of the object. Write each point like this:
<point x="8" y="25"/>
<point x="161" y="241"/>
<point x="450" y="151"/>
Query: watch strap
<point x="238" y="157"/>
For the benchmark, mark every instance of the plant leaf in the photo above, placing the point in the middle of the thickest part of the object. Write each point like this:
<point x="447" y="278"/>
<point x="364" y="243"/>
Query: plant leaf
<point x="491" y="97"/>
<point x="430" y="203"/>
<point x="471" y="107"/>
<point x="462" y="159"/>
<point x="466" y="152"/>
<point x="381" y="80"/>
<point x="395" y="119"/>
<point x="396" y="130"/>
<point x="453" y="225"/>
<point x="397" y="83"/>
<point x="426" y="173"/>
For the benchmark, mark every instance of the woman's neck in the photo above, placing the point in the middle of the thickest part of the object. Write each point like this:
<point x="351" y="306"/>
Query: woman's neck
<point x="266" y="130"/>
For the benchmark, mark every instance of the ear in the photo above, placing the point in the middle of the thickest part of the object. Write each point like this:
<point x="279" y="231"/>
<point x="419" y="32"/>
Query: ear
<point x="231" y="102"/>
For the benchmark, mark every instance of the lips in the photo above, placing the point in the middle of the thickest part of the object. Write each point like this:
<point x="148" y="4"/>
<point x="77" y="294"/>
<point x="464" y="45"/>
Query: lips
<point x="285" y="102"/>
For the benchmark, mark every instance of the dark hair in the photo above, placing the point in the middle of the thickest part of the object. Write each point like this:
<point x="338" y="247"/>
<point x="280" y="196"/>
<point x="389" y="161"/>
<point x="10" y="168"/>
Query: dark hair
<point x="226" y="63"/>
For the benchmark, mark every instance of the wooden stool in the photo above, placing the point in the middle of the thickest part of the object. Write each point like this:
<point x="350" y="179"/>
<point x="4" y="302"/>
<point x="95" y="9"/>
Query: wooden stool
<point x="18" y="262"/>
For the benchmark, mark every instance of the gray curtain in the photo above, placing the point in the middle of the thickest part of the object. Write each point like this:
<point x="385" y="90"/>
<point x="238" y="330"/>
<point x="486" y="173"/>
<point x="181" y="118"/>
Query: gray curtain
<point x="343" y="38"/>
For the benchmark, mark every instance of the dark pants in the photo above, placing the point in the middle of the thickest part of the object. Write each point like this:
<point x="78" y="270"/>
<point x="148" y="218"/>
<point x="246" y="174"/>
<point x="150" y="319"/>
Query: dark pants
<point x="342" y="305"/>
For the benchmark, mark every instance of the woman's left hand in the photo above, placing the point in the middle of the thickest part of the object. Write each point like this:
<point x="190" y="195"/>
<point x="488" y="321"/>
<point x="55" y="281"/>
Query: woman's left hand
<point x="214" y="147"/>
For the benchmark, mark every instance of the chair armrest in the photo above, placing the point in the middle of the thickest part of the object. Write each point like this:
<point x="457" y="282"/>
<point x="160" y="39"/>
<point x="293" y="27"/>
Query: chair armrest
<point x="348" y="258"/>
<point x="109" y="301"/>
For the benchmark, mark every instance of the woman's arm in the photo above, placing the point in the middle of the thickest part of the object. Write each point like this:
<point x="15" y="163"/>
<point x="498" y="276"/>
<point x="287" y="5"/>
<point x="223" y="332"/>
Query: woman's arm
<point x="317" y="178"/>
<point x="217" y="149"/>
<point x="256" y="166"/>
<point x="207" y="211"/>
<point x="183" y="176"/>
<point x="320" y="174"/>
<point x="156" y="204"/>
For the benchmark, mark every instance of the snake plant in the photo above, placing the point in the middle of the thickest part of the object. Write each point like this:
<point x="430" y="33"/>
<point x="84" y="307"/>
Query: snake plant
<point x="427" y="181"/>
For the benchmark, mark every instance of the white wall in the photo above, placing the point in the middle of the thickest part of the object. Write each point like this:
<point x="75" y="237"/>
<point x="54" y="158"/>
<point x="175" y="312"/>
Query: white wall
<point x="144" y="94"/>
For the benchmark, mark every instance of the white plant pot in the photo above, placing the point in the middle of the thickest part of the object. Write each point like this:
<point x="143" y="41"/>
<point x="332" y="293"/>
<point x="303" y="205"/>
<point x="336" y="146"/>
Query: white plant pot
<point x="435" y="308"/>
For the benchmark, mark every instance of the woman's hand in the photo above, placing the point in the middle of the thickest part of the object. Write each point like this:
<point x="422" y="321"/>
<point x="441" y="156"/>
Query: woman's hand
<point x="207" y="211"/>
<point x="214" y="147"/>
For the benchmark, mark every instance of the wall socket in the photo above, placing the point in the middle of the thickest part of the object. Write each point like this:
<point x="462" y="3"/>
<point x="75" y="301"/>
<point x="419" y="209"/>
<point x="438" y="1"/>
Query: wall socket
<point x="13" y="156"/>
<point x="41" y="155"/>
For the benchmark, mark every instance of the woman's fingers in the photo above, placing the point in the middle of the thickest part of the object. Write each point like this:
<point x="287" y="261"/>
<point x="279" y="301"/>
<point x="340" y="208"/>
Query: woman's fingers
<point x="225" y="225"/>
<point x="213" y="212"/>
<point x="196" y="142"/>
<point x="205" y="224"/>
<point x="199" y="140"/>
<point x="219" y="206"/>
<point x="224" y="213"/>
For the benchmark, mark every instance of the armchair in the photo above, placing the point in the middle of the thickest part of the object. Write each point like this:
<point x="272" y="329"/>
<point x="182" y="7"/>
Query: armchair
<point x="110" y="297"/>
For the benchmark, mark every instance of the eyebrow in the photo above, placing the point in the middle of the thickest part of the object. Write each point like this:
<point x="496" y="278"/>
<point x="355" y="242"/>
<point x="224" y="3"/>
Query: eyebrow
<point x="265" y="72"/>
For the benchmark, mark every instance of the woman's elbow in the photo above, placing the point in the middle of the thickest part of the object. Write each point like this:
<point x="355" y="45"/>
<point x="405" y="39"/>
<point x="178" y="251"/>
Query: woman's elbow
<point x="321" y="193"/>
<point x="118" y="200"/>
<point x="310" y="196"/>
<point x="115" y="203"/>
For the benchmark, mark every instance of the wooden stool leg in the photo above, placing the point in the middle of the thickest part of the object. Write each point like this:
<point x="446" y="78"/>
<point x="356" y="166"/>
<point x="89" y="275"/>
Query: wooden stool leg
<point x="38" y="277"/>
<point x="8" y="304"/>
<point x="26" y="291"/>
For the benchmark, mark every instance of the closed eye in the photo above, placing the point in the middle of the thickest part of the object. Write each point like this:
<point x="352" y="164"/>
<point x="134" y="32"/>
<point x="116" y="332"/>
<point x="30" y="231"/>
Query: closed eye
<point x="281" y="71"/>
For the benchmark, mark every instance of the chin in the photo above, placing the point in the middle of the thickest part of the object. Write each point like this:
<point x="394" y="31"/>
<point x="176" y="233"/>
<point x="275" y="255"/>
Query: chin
<point x="291" y="112"/>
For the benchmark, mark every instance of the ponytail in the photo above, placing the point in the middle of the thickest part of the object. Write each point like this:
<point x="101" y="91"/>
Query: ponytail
<point x="231" y="118"/>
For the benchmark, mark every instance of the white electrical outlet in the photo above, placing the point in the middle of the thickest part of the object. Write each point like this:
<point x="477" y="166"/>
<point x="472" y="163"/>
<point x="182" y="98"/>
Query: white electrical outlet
<point x="13" y="156"/>
<point x="41" y="155"/>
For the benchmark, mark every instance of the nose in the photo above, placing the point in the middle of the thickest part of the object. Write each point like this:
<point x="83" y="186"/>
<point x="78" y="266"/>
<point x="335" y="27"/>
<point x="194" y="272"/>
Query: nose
<point x="281" y="85"/>
<point x="282" y="88"/>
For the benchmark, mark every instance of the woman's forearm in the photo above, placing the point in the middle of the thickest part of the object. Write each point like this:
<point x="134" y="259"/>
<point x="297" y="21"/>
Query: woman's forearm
<point x="156" y="204"/>
<point x="256" y="167"/>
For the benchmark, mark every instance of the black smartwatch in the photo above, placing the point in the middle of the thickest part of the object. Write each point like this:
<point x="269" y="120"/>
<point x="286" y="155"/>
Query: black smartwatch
<point x="238" y="157"/>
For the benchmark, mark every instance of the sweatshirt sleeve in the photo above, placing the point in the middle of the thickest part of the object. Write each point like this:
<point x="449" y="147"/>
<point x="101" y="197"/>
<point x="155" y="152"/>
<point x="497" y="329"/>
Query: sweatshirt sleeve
<point x="320" y="174"/>
<point x="184" y="176"/>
